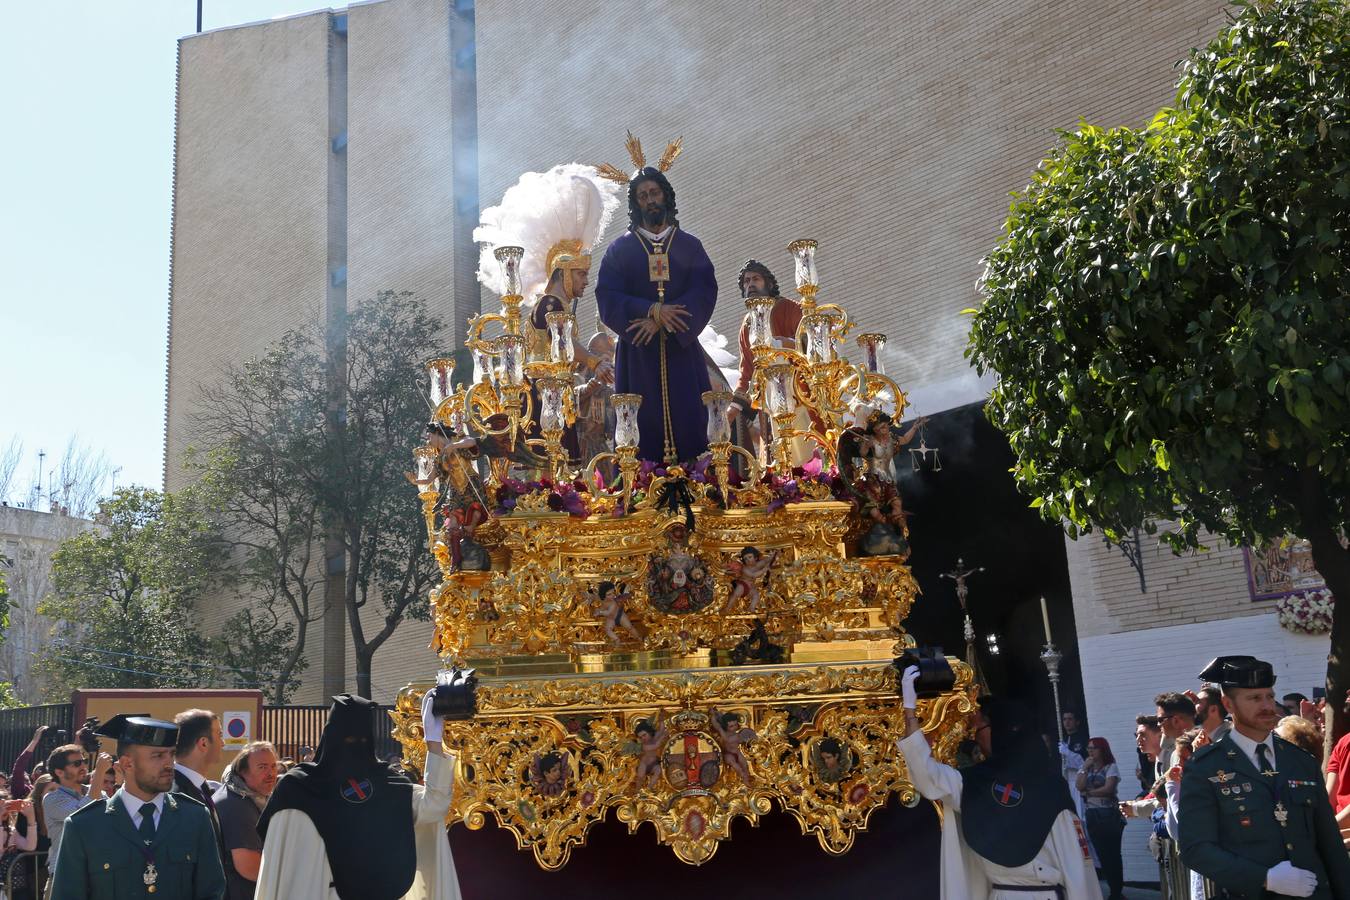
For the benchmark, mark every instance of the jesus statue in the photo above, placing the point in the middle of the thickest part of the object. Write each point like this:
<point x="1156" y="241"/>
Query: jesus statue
<point x="656" y="291"/>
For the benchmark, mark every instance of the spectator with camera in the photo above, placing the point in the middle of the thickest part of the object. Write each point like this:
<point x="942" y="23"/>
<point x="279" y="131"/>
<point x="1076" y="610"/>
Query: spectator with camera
<point x="74" y="790"/>
<point x="19" y="784"/>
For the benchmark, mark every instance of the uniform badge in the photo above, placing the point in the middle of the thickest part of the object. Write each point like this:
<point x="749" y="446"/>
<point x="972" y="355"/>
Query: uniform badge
<point x="1246" y="786"/>
<point x="1281" y="814"/>
<point x="1007" y="793"/>
<point x="357" y="791"/>
<point x="1222" y="777"/>
<point x="1245" y="821"/>
<point x="1236" y="789"/>
<point x="1225" y="791"/>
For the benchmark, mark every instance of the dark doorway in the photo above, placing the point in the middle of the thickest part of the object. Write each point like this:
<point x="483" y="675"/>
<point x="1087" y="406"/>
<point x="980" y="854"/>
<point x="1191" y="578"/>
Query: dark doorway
<point x="972" y="510"/>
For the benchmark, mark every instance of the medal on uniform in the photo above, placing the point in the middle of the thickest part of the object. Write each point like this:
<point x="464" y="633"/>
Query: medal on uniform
<point x="150" y="876"/>
<point x="1281" y="814"/>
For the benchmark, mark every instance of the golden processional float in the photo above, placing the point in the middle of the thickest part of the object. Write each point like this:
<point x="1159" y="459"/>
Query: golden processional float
<point x="634" y="666"/>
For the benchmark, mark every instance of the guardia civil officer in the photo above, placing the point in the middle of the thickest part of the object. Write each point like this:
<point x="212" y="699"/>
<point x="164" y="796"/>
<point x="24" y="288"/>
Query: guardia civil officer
<point x="1254" y="817"/>
<point x="144" y="841"/>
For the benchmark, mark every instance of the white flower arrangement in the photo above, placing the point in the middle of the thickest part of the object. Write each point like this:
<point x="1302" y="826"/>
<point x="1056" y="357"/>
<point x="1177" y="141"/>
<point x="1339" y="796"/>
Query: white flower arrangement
<point x="1308" y="612"/>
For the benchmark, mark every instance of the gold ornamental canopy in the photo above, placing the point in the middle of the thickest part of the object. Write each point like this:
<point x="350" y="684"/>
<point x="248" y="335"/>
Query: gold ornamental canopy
<point x="669" y="645"/>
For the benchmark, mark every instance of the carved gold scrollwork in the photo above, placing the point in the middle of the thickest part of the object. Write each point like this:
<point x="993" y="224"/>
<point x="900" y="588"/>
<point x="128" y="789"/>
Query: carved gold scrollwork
<point x="546" y="758"/>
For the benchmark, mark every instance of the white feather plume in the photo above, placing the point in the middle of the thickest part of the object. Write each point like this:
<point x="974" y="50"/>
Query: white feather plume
<point x="714" y="343"/>
<point x="568" y="202"/>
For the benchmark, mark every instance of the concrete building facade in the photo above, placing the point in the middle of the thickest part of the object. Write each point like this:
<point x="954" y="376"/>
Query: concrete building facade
<point x="331" y="155"/>
<point x="28" y="538"/>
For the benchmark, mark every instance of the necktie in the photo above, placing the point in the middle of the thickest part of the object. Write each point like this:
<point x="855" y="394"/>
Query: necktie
<point x="1262" y="760"/>
<point x="147" y="822"/>
<point x="206" y="798"/>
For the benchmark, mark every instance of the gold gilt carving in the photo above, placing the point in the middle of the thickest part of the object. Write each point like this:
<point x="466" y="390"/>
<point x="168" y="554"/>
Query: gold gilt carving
<point x="542" y="603"/>
<point x="688" y="752"/>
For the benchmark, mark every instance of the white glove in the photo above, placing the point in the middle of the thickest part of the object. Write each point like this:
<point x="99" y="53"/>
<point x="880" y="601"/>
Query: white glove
<point x="433" y="726"/>
<point x="908" y="696"/>
<point x="1289" y="881"/>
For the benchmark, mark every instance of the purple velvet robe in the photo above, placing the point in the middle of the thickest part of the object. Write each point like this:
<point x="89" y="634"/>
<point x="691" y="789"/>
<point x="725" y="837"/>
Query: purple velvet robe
<point x="624" y="291"/>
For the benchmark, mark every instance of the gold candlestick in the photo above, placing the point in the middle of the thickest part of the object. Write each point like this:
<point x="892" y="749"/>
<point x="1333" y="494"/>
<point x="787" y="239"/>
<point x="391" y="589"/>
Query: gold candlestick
<point x="721" y="464"/>
<point x="628" y="469"/>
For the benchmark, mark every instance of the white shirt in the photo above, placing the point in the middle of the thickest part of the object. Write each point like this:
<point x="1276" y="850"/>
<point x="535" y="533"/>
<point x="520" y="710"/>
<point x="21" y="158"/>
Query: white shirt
<point x="199" y="781"/>
<point x="1248" y="746"/>
<point x="655" y="237"/>
<point x="133" y="807"/>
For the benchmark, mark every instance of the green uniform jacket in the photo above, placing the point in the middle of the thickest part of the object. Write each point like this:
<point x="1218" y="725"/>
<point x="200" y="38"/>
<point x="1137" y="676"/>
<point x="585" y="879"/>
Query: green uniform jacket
<point x="102" y="854"/>
<point x="1229" y="832"/>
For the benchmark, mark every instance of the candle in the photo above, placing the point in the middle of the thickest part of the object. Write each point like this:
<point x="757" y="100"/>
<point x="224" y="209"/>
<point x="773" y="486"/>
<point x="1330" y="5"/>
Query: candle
<point x="1045" y="618"/>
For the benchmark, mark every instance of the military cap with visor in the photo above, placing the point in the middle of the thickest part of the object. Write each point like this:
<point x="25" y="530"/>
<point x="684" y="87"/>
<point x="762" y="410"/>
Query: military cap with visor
<point x="139" y="729"/>
<point x="1239" y="672"/>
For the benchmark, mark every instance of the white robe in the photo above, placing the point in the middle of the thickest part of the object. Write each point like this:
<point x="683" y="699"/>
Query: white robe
<point x="968" y="876"/>
<point x="295" y="865"/>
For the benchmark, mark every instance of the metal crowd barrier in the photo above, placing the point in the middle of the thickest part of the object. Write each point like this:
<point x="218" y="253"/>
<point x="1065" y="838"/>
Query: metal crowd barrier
<point x="38" y="873"/>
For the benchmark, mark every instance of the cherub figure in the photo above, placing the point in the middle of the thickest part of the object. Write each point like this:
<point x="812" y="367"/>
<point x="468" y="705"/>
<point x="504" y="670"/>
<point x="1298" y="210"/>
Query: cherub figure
<point x="731" y="736"/>
<point x="651" y="740"/>
<point x="548" y="773"/>
<point x="608" y="601"/>
<point x="747" y="569"/>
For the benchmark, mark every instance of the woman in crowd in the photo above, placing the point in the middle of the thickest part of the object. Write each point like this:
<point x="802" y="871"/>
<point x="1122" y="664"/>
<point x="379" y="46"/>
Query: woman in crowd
<point x="1097" y="782"/>
<point x="18" y="835"/>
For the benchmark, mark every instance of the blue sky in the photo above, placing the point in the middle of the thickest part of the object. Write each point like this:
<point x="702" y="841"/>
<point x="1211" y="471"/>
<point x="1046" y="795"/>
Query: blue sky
<point x="85" y="191"/>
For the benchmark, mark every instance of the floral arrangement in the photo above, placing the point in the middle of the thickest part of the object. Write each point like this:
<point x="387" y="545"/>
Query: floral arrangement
<point x="564" y="496"/>
<point x="812" y="481"/>
<point x="1309" y="612"/>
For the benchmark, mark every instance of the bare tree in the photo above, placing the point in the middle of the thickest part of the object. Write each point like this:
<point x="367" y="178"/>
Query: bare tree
<point x="9" y="464"/>
<point x="81" y="479"/>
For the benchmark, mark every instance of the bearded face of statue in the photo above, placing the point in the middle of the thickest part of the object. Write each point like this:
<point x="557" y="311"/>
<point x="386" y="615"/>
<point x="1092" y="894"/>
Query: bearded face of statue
<point x="651" y="200"/>
<point x="752" y="284"/>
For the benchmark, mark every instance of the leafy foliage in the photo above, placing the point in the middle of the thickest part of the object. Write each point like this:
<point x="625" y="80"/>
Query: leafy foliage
<point x="1167" y="309"/>
<point x="264" y="424"/>
<point x="123" y="597"/>
<point x="309" y="443"/>
<point x="8" y="700"/>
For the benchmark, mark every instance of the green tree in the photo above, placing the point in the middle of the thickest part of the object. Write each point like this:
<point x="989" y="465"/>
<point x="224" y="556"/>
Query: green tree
<point x="123" y="595"/>
<point x="1167" y="308"/>
<point x="308" y="443"/>
<point x="266" y="456"/>
<point x="7" y="698"/>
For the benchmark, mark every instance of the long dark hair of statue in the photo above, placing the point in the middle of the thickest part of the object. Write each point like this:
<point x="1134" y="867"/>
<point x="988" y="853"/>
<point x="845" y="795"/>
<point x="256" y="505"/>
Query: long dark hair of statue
<point x="635" y="211"/>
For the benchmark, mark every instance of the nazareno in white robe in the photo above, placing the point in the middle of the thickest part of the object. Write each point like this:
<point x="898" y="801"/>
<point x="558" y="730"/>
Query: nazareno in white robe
<point x="295" y="865"/>
<point x="1063" y="858"/>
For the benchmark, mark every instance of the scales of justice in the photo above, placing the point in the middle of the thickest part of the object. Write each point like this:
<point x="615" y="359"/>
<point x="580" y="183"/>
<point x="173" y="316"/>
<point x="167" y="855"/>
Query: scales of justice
<point x="636" y="659"/>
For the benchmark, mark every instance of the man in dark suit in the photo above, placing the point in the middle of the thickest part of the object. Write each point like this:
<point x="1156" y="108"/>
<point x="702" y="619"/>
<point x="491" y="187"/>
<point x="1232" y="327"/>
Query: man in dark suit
<point x="1254" y="817"/>
<point x="143" y="841"/>
<point x="200" y="746"/>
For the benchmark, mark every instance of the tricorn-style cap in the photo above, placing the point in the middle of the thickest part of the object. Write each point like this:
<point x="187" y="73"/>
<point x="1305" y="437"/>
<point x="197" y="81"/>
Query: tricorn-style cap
<point x="1239" y="672"/>
<point x="139" y="729"/>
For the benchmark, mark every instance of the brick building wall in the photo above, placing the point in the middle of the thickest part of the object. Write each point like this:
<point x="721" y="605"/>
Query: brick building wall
<point x="890" y="132"/>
